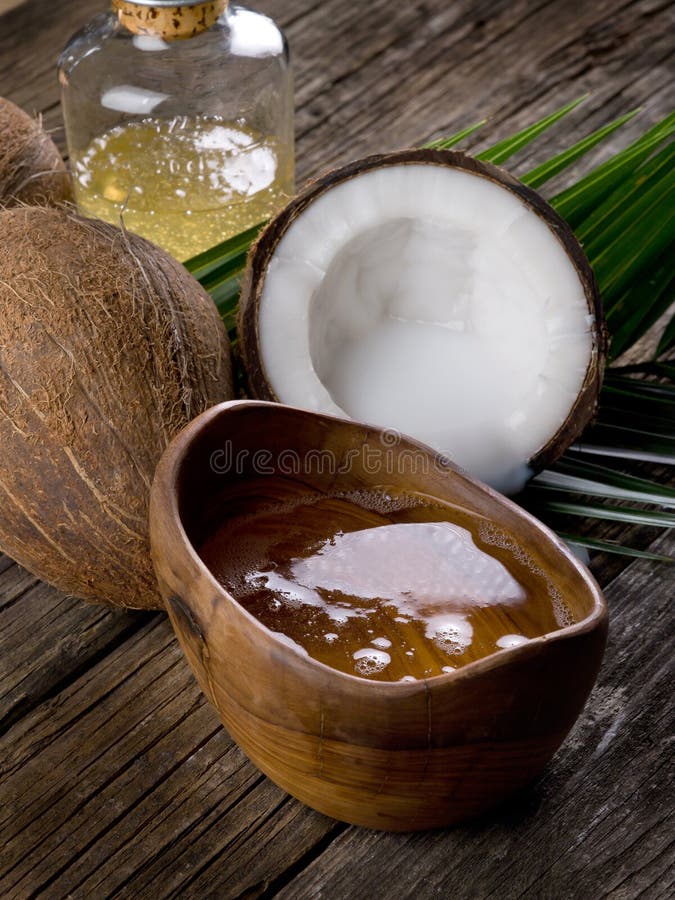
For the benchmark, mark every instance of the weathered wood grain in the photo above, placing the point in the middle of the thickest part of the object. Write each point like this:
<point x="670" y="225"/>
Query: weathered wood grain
<point x="6" y="5"/>
<point x="115" y="776"/>
<point x="47" y="638"/>
<point x="14" y="582"/>
<point x="596" y="825"/>
<point x="126" y="781"/>
<point x="509" y="62"/>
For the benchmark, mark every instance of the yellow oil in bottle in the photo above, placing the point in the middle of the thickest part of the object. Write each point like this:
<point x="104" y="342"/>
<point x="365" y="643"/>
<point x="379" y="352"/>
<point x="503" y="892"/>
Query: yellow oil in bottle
<point x="383" y="587"/>
<point x="186" y="183"/>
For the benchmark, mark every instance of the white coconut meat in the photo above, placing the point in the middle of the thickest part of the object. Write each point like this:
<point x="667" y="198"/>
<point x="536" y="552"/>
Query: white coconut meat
<point x="434" y="301"/>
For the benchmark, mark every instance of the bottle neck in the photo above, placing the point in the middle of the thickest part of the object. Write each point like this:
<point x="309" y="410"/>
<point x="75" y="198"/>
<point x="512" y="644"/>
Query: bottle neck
<point x="182" y="20"/>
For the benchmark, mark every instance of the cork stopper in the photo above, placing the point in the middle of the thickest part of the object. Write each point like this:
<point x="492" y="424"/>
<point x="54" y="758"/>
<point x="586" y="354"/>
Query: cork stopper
<point x="170" y="22"/>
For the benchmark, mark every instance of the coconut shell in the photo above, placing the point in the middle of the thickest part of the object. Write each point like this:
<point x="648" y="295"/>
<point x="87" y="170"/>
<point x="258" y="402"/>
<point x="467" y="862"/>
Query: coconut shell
<point x="108" y="347"/>
<point x="31" y="169"/>
<point x="263" y="250"/>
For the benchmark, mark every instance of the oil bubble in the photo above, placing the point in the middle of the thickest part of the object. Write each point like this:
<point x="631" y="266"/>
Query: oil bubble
<point x="511" y="640"/>
<point x="370" y="662"/>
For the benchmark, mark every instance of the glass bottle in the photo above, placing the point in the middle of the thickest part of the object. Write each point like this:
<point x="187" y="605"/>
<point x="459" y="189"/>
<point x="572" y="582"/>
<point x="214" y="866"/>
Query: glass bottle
<point x="179" y="119"/>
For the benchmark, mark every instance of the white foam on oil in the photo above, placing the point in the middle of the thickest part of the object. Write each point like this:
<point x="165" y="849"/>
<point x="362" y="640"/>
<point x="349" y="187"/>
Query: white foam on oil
<point x="452" y="633"/>
<point x="511" y="640"/>
<point x="388" y="586"/>
<point x="494" y="536"/>
<point x="382" y="642"/>
<point x="369" y="661"/>
<point x="406" y="565"/>
<point x="382" y="502"/>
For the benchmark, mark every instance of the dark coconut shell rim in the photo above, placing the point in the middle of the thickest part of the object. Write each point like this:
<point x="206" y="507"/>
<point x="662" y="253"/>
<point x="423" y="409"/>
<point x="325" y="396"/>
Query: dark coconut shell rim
<point x="261" y="252"/>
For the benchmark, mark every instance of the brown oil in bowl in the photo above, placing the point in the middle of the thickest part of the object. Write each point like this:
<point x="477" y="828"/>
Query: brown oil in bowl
<point x="384" y="586"/>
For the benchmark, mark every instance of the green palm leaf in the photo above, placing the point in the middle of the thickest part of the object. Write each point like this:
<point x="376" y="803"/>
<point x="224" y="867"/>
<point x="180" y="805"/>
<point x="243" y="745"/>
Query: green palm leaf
<point x="639" y="232"/>
<point x="667" y="341"/>
<point x="640" y="305"/>
<point x="447" y="143"/>
<point x="600" y="481"/>
<point x="579" y="201"/>
<point x="611" y="513"/>
<point x="505" y="149"/>
<point x="662" y="369"/>
<point x="559" y="163"/>
<point x="610" y="547"/>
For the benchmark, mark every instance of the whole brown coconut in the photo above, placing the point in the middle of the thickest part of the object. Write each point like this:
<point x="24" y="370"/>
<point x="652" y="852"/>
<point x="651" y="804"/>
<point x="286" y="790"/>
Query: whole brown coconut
<point x="108" y="347"/>
<point x="31" y="168"/>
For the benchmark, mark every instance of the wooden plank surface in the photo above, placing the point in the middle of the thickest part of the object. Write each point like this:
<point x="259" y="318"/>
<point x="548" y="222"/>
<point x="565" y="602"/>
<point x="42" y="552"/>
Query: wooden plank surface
<point x="116" y="778"/>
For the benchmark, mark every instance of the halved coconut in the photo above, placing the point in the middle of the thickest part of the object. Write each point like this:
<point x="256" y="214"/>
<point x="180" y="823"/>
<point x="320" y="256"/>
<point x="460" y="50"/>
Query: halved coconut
<point x="434" y="294"/>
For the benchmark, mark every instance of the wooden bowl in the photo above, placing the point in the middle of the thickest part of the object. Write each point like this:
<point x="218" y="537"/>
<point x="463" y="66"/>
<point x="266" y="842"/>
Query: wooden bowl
<point x="390" y="755"/>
